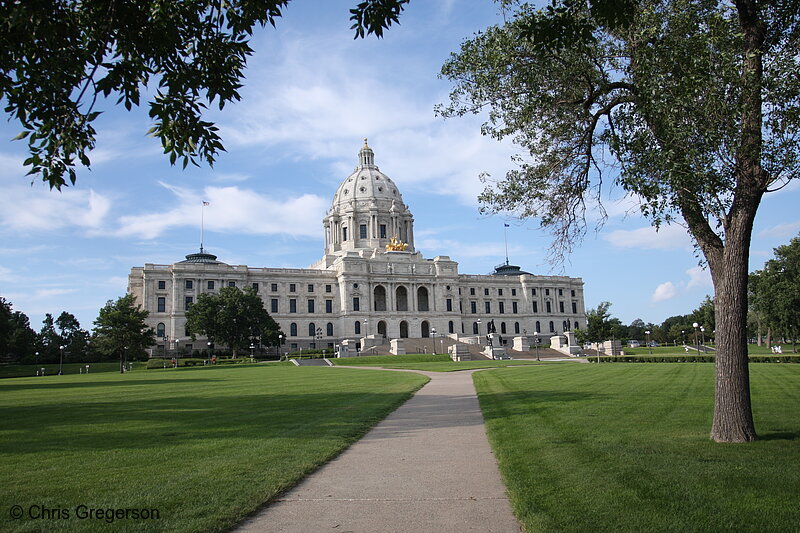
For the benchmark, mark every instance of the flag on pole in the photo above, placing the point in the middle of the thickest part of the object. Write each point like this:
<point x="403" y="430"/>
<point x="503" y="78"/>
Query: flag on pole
<point x="206" y="203"/>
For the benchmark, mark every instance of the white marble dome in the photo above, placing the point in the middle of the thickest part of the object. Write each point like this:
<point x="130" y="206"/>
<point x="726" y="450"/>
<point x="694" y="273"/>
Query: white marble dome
<point x="366" y="182"/>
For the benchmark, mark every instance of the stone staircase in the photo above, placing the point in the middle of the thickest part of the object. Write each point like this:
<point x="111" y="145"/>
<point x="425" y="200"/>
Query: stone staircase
<point x="440" y="345"/>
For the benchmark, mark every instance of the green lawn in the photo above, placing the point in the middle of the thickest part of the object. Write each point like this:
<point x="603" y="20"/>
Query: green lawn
<point x="427" y="362"/>
<point x="204" y="446"/>
<point x="752" y="349"/>
<point x="625" y="447"/>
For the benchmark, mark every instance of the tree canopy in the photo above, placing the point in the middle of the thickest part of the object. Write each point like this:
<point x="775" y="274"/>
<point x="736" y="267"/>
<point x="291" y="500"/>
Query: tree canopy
<point x="692" y="107"/>
<point x="120" y="329"/>
<point x="233" y="317"/>
<point x="60" y="60"/>
<point x="775" y="291"/>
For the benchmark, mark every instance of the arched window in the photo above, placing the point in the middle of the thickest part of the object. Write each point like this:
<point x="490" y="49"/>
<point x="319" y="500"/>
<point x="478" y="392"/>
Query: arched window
<point x="382" y="328"/>
<point x="357" y="327"/>
<point x="160" y="329"/>
<point x="293" y="329"/>
<point x="474" y="328"/>
<point x="538" y="327"/>
<point x="577" y="326"/>
<point x="566" y="325"/>
<point x="552" y="327"/>
<point x="401" y="298"/>
<point x="424" y="329"/>
<point x="503" y="328"/>
<point x="450" y="327"/>
<point x="403" y="329"/>
<point x="312" y="329"/>
<point x="379" y="295"/>
<point x="422" y="299"/>
<point x="516" y="328"/>
<point x="329" y="329"/>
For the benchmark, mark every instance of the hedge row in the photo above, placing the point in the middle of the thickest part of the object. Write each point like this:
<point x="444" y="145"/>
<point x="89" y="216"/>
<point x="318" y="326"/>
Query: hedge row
<point x="690" y="359"/>
<point x="158" y="362"/>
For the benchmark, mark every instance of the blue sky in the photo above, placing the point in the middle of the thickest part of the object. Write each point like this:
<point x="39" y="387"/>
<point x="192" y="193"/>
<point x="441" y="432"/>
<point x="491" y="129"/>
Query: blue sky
<point x="311" y="95"/>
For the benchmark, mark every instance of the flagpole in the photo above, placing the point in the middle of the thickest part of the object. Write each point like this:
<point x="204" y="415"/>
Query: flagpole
<point x="202" y="224"/>
<point x="505" y="237"/>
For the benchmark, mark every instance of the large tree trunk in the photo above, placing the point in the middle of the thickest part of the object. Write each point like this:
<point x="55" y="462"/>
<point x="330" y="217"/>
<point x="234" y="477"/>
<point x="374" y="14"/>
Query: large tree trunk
<point x="733" y="415"/>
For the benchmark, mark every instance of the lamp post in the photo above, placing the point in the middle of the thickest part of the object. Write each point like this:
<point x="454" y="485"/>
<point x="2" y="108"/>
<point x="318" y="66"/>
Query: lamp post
<point x="536" y="342"/>
<point x="479" y="326"/>
<point x="703" y="338"/>
<point x="252" y="347"/>
<point x="696" y="345"/>
<point x="433" y="335"/>
<point x="280" y="342"/>
<point x="683" y="337"/>
<point x="60" y="359"/>
<point x="649" y="348"/>
<point x="318" y="333"/>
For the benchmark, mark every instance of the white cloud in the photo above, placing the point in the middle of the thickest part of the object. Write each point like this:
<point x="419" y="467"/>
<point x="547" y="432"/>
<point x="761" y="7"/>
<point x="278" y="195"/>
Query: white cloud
<point x="787" y="229"/>
<point x="672" y="237"/>
<point x="663" y="292"/>
<point x="699" y="277"/>
<point x="231" y="209"/>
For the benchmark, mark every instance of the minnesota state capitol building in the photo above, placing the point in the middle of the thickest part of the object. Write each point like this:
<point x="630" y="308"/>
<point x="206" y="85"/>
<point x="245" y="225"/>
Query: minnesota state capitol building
<point x="371" y="285"/>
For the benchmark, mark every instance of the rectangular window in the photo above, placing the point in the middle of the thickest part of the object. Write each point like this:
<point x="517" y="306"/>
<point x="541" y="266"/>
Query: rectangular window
<point x="514" y="308"/>
<point x="273" y="305"/>
<point x="210" y="285"/>
<point x="188" y="303"/>
<point x="486" y="292"/>
<point x="273" y="287"/>
<point x="383" y="231"/>
<point x="547" y="292"/>
<point x="499" y="292"/>
<point x="573" y="293"/>
<point x="329" y="306"/>
<point x="449" y="304"/>
<point x="344" y="234"/>
<point x="231" y="284"/>
<point x="535" y="307"/>
<point x="161" y="305"/>
<point x="473" y="307"/>
<point x="310" y="287"/>
<point x="328" y="288"/>
<point x="362" y="231"/>
<point x="502" y="307"/>
<point x="574" y="308"/>
<point x="560" y="292"/>
<point x="162" y="285"/>
<point x="547" y="305"/>
<point x="513" y="292"/>
<point x="292" y="287"/>
<point x="488" y="307"/>
<point x="189" y="284"/>
<point x="472" y="291"/>
<point x="311" y="306"/>
<point x="560" y="306"/>
<point x="255" y="287"/>
<point x="356" y="304"/>
<point x="533" y="291"/>
<point x="292" y="305"/>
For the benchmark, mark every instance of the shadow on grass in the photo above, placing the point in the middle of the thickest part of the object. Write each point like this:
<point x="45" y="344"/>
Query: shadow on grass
<point x="785" y="435"/>
<point x="505" y="404"/>
<point x="85" y="384"/>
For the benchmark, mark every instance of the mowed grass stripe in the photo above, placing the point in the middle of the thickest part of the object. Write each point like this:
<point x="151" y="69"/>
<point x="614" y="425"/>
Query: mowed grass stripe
<point x="625" y="447"/>
<point x="205" y="447"/>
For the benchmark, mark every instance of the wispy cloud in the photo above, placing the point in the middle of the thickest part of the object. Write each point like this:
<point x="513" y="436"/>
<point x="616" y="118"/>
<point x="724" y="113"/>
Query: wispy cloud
<point x="787" y="229"/>
<point x="672" y="237"/>
<point x="699" y="277"/>
<point x="231" y="209"/>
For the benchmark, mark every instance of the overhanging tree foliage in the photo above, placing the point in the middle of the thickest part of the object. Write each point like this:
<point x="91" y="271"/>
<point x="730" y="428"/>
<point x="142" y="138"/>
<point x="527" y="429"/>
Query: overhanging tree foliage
<point x="233" y="317"/>
<point x="691" y="106"/>
<point x="58" y="59"/>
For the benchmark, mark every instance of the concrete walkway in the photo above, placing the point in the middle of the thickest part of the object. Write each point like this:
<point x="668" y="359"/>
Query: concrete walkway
<point x="426" y="467"/>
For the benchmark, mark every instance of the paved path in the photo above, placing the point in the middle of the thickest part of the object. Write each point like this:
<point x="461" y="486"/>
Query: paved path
<point x="427" y="467"/>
